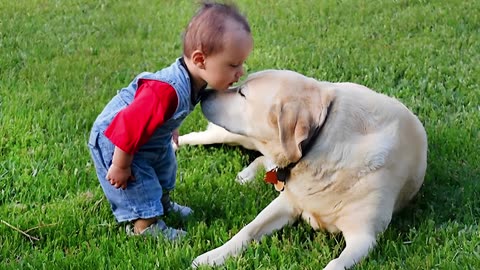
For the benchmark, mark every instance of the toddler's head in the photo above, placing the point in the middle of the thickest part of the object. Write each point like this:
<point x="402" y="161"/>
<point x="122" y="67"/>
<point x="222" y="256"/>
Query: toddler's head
<point x="216" y="44"/>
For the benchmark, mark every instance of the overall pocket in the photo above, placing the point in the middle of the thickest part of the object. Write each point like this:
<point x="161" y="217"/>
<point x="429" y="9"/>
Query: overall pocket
<point x="101" y="148"/>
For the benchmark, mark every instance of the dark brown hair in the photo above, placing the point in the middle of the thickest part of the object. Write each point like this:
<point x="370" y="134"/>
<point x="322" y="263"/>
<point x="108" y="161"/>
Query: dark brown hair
<point x="206" y="29"/>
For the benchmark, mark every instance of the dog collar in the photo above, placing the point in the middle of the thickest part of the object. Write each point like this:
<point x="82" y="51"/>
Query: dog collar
<point x="278" y="176"/>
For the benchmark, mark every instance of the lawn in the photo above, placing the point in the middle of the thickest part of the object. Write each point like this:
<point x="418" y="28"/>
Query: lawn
<point x="61" y="61"/>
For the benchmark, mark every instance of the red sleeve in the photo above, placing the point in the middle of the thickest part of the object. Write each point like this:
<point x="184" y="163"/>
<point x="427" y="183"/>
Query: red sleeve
<point x="154" y="103"/>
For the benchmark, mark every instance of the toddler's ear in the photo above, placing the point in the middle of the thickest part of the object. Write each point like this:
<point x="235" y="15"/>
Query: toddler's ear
<point x="198" y="59"/>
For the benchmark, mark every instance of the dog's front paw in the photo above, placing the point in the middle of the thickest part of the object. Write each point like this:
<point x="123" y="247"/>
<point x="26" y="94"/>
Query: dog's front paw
<point x="245" y="176"/>
<point x="210" y="258"/>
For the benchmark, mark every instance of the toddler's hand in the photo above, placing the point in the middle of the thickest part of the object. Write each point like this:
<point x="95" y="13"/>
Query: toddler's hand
<point x="119" y="177"/>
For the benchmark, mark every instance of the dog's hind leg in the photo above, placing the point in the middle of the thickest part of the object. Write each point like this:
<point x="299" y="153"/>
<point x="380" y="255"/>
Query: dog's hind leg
<point x="275" y="216"/>
<point x="249" y="172"/>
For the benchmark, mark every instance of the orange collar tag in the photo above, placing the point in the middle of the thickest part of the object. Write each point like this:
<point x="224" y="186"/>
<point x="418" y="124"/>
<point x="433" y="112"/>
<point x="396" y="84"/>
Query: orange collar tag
<point x="279" y="186"/>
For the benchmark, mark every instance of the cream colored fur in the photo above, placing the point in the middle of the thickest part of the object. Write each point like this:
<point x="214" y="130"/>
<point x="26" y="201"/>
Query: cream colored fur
<point x="368" y="160"/>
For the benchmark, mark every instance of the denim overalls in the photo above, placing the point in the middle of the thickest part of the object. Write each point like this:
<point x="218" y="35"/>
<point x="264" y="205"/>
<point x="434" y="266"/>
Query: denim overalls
<point x="154" y="166"/>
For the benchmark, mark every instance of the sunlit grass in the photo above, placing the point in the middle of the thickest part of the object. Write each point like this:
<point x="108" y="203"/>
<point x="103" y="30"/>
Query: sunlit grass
<point x="61" y="61"/>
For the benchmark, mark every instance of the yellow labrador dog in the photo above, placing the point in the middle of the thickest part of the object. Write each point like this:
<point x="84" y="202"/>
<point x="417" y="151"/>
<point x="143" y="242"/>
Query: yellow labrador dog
<point x="346" y="156"/>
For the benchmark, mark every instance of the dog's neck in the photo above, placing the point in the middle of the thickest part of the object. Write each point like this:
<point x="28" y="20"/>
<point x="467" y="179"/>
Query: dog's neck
<point x="279" y="175"/>
<point x="284" y="172"/>
<point x="307" y="144"/>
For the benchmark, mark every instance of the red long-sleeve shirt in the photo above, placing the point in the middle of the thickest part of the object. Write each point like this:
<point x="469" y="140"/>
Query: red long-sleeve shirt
<point x="154" y="103"/>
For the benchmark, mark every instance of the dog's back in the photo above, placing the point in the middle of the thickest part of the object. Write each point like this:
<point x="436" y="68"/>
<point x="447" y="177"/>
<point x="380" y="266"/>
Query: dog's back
<point x="393" y="137"/>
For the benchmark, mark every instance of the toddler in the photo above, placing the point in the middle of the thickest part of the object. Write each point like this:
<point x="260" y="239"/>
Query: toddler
<point x="130" y="142"/>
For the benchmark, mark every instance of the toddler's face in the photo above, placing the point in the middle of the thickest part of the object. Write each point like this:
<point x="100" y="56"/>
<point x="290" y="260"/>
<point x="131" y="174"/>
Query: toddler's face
<point x="224" y="68"/>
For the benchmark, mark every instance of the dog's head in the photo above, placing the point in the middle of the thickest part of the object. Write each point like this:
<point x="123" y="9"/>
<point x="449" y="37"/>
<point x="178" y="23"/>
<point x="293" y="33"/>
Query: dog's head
<point x="279" y="109"/>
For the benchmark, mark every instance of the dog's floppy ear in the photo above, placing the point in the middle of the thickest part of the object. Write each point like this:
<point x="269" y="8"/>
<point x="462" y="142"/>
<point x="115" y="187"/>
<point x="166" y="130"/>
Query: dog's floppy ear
<point x="294" y="126"/>
<point x="298" y="121"/>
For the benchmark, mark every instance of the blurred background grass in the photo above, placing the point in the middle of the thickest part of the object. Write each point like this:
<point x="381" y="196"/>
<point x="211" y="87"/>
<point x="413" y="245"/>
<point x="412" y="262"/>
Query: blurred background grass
<point x="61" y="61"/>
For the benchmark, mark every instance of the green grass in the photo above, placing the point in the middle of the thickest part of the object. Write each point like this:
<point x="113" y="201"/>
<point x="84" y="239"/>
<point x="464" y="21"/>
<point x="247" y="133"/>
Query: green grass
<point x="61" y="61"/>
